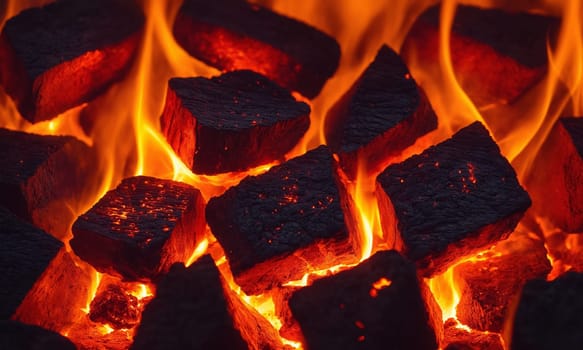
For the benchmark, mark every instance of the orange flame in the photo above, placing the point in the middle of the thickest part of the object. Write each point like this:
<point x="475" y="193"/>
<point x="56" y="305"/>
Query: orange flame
<point x="367" y="209"/>
<point x="96" y="280"/>
<point x="445" y="287"/>
<point x="141" y="291"/>
<point x="552" y="99"/>
<point x="446" y="293"/>
<point x="360" y="28"/>
<point x="534" y="114"/>
<point x="262" y="303"/>
<point x="198" y="252"/>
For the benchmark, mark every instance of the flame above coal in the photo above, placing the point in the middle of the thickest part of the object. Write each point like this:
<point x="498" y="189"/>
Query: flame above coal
<point x="132" y="144"/>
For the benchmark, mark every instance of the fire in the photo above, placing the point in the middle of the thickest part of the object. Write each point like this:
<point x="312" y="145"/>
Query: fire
<point x="360" y="28"/>
<point x="131" y="142"/>
<point x="141" y="291"/>
<point x="445" y="286"/>
<point x="159" y="49"/>
<point x="105" y="329"/>
<point x="209" y="185"/>
<point x="93" y="290"/>
<point x="446" y="293"/>
<point x="310" y="276"/>
<point x="565" y="70"/>
<point x="536" y="112"/>
<point x="198" y="252"/>
<point x="367" y="209"/>
<point x="521" y="132"/>
<point x="262" y="303"/>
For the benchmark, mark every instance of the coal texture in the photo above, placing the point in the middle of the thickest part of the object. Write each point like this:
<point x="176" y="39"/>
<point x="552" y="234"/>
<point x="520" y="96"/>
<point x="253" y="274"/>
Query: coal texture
<point x="192" y="310"/>
<point x="550" y="314"/>
<point x="352" y="310"/>
<point x="40" y="176"/>
<point x="384" y="112"/>
<point x="55" y="57"/>
<point x="458" y="338"/>
<point x="275" y="226"/>
<point x="233" y="122"/>
<point x="233" y="34"/>
<point x="140" y="228"/>
<point x="27" y="252"/>
<point x="487" y="286"/>
<point x="450" y="201"/>
<point x="115" y="307"/>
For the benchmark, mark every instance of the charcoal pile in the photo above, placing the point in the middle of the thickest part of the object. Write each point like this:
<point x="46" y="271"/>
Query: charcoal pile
<point x="268" y="192"/>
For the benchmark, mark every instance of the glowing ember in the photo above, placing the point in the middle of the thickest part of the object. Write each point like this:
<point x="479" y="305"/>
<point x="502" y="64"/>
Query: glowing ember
<point x="378" y="285"/>
<point x="115" y="308"/>
<point x="270" y="236"/>
<point x="381" y="283"/>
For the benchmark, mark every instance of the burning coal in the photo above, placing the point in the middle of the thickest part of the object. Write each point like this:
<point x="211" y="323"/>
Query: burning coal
<point x="267" y="174"/>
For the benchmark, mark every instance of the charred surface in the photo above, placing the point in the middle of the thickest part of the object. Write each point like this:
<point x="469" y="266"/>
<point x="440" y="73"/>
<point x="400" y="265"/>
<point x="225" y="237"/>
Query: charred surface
<point x="383" y="113"/>
<point x="574" y="127"/>
<point x="79" y="27"/>
<point x="347" y="311"/>
<point x="488" y="286"/>
<point x="556" y="181"/>
<point x="192" y="310"/>
<point x="460" y="339"/>
<point x="550" y="314"/>
<point x="290" y="329"/>
<point x="233" y="34"/>
<point x="39" y="175"/>
<point x="140" y="228"/>
<point x="115" y="307"/>
<point x="40" y="283"/>
<point x="275" y="226"/>
<point x="496" y="55"/>
<point x="27" y="251"/>
<point x="58" y="296"/>
<point x="16" y="335"/>
<point x="61" y="55"/>
<point x="450" y="201"/>
<point x="232" y="122"/>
